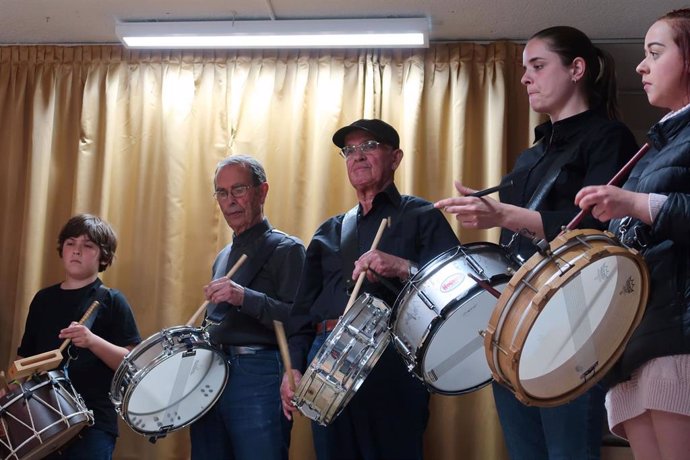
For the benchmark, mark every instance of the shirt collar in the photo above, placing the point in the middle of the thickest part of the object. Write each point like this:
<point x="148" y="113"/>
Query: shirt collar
<point x="389" y="194"/>
<point x="251" y="233"/>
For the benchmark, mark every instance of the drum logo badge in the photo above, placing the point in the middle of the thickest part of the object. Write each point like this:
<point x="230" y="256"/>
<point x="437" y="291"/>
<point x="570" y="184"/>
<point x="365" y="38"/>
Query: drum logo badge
<point x="603" y="273"/>
<point x="452" y="282"/>
<point x="628" y="286"/>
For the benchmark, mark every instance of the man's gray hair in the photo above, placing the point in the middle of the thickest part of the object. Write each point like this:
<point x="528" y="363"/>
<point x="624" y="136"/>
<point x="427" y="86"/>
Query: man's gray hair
<point x="252" y="164"/>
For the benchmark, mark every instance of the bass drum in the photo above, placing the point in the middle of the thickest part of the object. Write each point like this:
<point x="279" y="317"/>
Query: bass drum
<point x="41" y="416"/>
<point x="438" y="317"/>
<point x="344" y="360"/>
<point x="169" y="381"/>
<point x="565" y="317"/>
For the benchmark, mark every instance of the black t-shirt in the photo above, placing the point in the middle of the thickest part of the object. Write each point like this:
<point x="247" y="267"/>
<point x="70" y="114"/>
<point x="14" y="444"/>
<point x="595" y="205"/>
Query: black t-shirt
<point x="53" y="309"/>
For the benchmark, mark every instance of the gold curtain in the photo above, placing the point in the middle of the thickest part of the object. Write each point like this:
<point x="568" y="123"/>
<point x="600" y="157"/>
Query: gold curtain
<point x="134" y="137"/>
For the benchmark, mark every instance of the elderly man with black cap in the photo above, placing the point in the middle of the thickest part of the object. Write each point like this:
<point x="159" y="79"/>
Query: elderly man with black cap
<point x="387" y="416"/>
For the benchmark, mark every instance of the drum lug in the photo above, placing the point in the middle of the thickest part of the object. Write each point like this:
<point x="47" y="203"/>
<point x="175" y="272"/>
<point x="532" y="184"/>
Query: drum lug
<point x="589" y="372"/>
<point x="404" y="349"/>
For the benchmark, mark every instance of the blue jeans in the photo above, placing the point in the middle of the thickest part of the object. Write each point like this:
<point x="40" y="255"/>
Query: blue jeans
<point x="385" y="420"/>
<point x="571" y="431"/>
<point x="247" y="422"/>
<point x="90" y="444"/>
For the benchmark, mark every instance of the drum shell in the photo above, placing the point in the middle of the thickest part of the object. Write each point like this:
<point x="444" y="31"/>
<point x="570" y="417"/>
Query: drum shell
<point x="140" y="368"/>
<point x="344" y="360"/>
<point x="442" y="310"/>
<point x="519" y="318"/>
<point x="41" y="416"/>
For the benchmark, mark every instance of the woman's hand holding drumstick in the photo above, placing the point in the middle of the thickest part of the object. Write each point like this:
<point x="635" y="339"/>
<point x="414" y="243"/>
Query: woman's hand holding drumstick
<point x="203" y="306"/>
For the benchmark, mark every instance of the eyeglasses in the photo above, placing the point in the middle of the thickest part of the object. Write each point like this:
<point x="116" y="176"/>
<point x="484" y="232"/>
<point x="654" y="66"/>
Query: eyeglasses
<point x="364" y="147"/>
<point x="237" y="191"/>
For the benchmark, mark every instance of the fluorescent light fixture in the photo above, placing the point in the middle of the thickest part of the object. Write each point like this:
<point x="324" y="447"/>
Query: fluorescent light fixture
<point x="306" y="33"/>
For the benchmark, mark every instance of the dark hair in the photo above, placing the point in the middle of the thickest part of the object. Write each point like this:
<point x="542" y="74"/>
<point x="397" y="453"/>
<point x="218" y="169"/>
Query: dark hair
<point x="600" y="72"/>
<point x="679" y="21"/>
<point x="96" y="230"/>
<point x="252" y="164"/>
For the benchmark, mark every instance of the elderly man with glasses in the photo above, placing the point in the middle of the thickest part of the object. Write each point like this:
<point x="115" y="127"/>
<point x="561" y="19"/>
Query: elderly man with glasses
<point x="245" y="422"/>
<point x="387" y="416"/>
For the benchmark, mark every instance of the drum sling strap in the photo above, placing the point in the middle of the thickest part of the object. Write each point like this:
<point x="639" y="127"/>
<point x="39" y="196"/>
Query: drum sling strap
<point x="247" y="272"/>
<point x="349" y="249"/>
<point x="348" y="246"/>
<point x="100" y="293"/>
<point x="539" y="195"/>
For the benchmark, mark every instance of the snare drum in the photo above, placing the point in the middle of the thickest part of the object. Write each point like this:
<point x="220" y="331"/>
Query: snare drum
<point x="168" y="381"/>
<point x="438" y="317"/>
<point x="344" y="360"/>
<point x="565" y="317"/>
<point x="41" y="416"/>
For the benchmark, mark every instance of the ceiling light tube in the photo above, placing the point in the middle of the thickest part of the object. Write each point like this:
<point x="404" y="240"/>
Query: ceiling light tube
<point x="307" y="33"/>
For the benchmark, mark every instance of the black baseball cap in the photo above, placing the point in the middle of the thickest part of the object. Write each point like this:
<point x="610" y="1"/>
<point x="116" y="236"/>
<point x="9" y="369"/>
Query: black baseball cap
<point x="382" y="132"/>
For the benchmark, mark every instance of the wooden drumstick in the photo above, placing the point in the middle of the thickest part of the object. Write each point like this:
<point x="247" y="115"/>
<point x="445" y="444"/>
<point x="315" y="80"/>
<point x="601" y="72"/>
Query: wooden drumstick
<point x="360" y="279"/>
<point x="614" y="181"/>
<point x="3" y="384"/>
<point x="83" y="319"/>
<point x="284" y="352"/>
<point x="48" y="360"/>
<point x="203" y="306"/>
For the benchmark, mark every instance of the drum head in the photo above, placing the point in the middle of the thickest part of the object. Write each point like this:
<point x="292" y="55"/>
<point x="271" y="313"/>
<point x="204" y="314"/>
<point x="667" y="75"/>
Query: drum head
<point x="176" y="390"/>
<point x="582" y="325"/>
<point x="454" y="361"/>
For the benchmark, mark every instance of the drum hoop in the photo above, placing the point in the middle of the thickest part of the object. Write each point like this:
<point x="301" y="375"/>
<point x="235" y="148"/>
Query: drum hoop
<point x="53" y="379"/>
<point x="144" y="372"/>
<point x="526" y="273"/>
<point x="432" y="267"/>
<point x="519" y="338"/>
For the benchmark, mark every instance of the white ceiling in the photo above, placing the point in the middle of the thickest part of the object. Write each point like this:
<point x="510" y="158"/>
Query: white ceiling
<point x="93" y="21"/>
<point x="619" y="25"/>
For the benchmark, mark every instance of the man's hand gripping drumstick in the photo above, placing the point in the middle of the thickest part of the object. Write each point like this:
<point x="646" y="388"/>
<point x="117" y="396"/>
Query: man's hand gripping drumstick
<point x="227" y="277"/>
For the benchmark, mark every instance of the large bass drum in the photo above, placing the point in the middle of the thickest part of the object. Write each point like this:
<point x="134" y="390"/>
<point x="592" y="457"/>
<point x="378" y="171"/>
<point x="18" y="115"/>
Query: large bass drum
<point x="168" y="381"/>
<point x="40" y="416"/>
<point x="344" y="360"/>
<point x="438" y="317"/>
<point x="565" y="317"/>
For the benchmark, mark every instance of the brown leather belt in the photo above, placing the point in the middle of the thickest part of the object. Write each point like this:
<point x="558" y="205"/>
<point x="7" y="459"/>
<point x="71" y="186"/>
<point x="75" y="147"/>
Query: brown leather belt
<point x="326" y="326"/>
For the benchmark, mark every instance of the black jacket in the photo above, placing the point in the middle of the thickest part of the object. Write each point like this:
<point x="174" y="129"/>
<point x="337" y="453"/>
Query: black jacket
<point x="585" y="149"/>
<point x="665" y="169"/>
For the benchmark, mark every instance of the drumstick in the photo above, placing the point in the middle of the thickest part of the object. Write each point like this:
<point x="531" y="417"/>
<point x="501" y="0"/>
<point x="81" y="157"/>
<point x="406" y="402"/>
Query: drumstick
<point x="203" y="306"/>
<point x="619" y="175"/>
<point x="3" y="383"/>
<point x="83" y="319"/>
<point x="360" y="279"/>
<point x="490" y="190"/>
<point x="485" y="285"/>
<point x="44" y="361"/>
<point x="284" y="352"/>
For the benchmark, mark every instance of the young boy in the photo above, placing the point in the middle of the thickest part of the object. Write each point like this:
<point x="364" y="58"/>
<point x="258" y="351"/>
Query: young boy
<point x="86" y="245"/>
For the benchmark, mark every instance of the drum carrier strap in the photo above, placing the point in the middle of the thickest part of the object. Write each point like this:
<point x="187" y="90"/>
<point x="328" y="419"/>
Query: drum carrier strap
<point x="247" y="273"/>
<point x="99" y="293"/>
<point x="542" y="190"/>
<point x="348" y="246"/>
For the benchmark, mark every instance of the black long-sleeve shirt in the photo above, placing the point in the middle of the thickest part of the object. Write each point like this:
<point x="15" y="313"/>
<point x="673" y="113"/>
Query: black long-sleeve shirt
<point x="322" y="294"/>
<point x="268" y="296"/>
<point x="595" y="147"/>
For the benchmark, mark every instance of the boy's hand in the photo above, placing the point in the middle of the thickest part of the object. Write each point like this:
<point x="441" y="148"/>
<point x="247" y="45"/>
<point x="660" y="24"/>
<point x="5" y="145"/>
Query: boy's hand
<point x="80" y="335"/>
